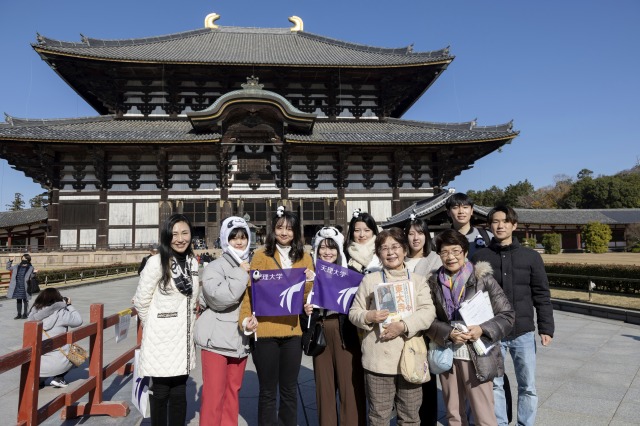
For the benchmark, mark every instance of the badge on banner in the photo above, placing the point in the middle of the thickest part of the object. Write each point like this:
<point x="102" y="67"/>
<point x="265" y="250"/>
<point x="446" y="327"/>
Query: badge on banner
<point x="122" y="327"/>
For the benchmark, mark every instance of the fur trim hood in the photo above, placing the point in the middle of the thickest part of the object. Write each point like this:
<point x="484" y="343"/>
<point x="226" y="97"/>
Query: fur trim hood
<point x="481" y="269"/>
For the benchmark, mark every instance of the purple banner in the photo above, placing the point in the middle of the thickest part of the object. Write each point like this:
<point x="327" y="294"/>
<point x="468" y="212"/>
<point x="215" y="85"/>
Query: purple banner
<point x="334" y="287"/>
<point x="277" y="292"/>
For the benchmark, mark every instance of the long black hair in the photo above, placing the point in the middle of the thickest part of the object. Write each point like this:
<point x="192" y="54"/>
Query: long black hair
<point x="421" y="226"/>
<point x="165" y="250"/>
<point x="361" y="217"/>
<point x="297" y="244"/>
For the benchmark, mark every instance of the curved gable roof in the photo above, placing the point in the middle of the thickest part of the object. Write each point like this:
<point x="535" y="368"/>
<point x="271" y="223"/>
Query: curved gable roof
<point x="240" y="45"/>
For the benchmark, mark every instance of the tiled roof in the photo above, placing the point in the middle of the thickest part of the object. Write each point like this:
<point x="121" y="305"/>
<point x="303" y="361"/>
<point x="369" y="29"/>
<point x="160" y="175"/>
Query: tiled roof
<point x="237" y="45"/>
<point x="420" y="208"/>
<point x="22" y="217"/>
<point x="400" y="131"/>
<point x="578" y="216"/>
<point x="108" y="129"/>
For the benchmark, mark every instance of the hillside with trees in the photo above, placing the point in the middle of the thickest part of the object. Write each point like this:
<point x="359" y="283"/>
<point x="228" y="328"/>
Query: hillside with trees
<point x="621" y="190"/>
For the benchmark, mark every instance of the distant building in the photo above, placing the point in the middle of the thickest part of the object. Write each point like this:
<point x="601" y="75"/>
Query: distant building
<point x="228" y="120"/>
<point x="533" y="223"/>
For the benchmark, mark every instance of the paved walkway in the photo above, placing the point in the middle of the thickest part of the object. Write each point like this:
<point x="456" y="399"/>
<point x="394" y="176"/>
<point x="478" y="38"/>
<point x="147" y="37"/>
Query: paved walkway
<point x="590" y="375"/>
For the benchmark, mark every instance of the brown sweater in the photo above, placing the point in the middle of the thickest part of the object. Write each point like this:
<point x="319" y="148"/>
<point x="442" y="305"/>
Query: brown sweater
<point x="281" y="326"/>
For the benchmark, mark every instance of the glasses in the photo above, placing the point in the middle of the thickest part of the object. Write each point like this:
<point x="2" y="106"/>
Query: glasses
<point x="447" y="253"/>
<point x="394" y="248"/>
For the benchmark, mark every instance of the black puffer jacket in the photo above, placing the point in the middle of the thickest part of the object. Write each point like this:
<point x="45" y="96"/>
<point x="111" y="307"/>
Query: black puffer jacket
<point x="521" y="274"/>
<point x="491" y="365"/>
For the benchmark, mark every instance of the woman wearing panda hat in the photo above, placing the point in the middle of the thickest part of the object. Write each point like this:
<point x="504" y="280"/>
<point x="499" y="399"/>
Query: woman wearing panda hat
<point x="338" y="367"/>
<point x="224" y="346"/>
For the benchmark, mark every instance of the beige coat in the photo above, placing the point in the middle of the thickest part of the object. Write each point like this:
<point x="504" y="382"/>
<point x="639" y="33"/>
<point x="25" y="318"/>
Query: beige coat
<point x="384" y="357"/>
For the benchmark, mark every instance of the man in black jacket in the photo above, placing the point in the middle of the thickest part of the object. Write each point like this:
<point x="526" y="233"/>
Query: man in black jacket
<point x="153" y="250"/>
<point x="521" y="274"/>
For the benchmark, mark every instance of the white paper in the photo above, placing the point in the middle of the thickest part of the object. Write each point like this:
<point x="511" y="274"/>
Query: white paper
<point x="476" y="311"/>
<point x="122" y="327"/>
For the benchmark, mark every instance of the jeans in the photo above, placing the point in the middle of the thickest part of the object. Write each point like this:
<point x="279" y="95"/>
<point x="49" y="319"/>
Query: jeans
<point x="277" y="361"/>
<point x="523" y="353"/>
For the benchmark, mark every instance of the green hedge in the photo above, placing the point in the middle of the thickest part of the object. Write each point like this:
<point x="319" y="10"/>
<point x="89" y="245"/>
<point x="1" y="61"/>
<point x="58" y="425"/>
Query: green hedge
<point x="552" y="243"/>
<point x="57" y="275"/>
<point x="609" y="284"/>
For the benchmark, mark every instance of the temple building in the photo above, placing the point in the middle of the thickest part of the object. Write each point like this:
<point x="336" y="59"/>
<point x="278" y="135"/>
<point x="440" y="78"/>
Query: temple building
<point x="229" y="120"/>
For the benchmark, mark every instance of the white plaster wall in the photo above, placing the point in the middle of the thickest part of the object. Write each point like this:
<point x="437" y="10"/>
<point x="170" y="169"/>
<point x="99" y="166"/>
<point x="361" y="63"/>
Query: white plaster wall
<point x="381" y="210"/>
<point x="120" y="214"/>
<point x="68" y="237"/>
<point x="356" y="204"/>
<point x="146" y="236"/>
<point x="147" y="214"/>
<point x="120" y="237"/>
<point x="88" y="237"/>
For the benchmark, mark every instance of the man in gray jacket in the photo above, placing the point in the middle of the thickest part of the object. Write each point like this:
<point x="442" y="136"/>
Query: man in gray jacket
<point x="521" y="274"/>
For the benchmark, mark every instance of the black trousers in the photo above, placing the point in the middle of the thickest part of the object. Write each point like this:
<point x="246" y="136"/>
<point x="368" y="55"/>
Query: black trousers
<point x="277" y="361"/>
<point x="20" y="303"/>
<point x="429" y="407"/>
<point x="168" y="399"/>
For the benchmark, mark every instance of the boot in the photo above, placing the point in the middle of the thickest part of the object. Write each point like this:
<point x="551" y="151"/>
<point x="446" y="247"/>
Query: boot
<point x="18" y="316"/>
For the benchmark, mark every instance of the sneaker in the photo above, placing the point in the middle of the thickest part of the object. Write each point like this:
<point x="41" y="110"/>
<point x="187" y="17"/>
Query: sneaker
<point x="59" y="383"/>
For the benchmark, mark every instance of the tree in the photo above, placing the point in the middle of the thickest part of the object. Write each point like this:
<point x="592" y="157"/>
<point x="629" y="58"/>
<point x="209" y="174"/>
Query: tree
<point x="632" y="236"/>
<point x="17" y="203"/>
<point x="37" y="201"/>
<point x="489" y="197"/>
<point x="596" y="237"/>
<point x="584" y="173"/>
<point x="512" y="193"/>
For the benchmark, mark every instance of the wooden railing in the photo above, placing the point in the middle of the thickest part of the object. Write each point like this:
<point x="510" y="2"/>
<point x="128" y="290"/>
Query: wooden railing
<point x="28" y="359"/>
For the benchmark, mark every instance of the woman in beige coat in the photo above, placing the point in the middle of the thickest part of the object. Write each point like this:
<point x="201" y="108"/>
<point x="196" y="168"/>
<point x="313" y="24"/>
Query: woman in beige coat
<point x="382" y="346"/>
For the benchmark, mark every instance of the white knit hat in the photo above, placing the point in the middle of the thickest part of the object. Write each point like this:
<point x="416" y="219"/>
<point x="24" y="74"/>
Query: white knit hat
<point x="329" y="232"/>
<point x="228" y="225"/>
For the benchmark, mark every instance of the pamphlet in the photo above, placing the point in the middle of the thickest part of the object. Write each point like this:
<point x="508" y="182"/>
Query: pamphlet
<point x="476" y="311"/>
<point x="398" y="297"/>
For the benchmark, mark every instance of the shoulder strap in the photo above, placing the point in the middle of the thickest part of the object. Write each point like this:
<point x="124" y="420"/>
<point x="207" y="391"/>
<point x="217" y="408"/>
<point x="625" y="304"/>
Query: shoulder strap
<point x="485" y="235"/>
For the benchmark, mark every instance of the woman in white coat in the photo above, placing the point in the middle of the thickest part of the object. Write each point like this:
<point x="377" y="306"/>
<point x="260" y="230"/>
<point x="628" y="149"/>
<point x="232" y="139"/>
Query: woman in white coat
<point x="166" y="300"/>
<point x="57" y="315"/>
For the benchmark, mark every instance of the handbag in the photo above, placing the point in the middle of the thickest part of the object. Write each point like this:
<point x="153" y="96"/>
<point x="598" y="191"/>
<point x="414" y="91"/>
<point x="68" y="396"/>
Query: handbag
<point x="77" y="355"/>
<point x="140" y="388"/>
<point x="32" y="285"/>
<point x="413" y="361"/>
<point x="313" y="340"/>
<point x="440" y="358"/>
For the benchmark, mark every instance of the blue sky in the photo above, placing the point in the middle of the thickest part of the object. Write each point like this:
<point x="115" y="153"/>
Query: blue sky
<point x="565" y="71"/>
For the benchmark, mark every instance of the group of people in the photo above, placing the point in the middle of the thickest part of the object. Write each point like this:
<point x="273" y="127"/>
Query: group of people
<point x="181" y="308"/>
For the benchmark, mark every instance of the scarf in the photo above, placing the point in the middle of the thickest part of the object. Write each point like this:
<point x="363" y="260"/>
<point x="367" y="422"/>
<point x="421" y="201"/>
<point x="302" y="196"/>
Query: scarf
<point x="228" y="225"/>
<point x="361" y="255"/>
<point x="453" y="287"/>
<point x="181" y="273"/>
<point x="285" y="260"/>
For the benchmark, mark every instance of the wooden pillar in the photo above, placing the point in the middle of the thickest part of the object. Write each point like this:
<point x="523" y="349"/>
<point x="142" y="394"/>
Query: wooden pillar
<point x="579" y="238"/>
<point x="327" y="212"/>
<point x="341" y="210"/>
<point x="9" y="237"/>
<point x="52" y="242"/>
<point x="226" y="209"/>
<point x="102" y="240"/>
<point x="396" y="206"/>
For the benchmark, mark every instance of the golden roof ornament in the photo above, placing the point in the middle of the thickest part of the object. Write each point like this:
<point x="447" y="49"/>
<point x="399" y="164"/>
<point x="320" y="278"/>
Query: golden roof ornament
<point x="252" y="83"/>
<point x="209" y="21"/>
<point x="298" y="25"/>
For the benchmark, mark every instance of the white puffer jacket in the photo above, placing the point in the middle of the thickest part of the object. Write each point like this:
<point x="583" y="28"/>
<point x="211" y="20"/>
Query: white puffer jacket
<point x="168" y="319"/>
